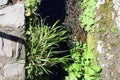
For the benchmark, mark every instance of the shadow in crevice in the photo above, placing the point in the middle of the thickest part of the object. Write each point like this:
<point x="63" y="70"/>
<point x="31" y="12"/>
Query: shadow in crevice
<point x="52" y="10"/>
<point x="11" y="37"/>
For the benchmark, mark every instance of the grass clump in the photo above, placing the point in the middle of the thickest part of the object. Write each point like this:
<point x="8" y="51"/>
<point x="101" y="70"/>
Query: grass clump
<point x="41" y="44"/>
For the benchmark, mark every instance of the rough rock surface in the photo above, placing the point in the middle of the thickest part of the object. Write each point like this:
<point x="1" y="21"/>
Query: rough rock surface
<point x="2" y="2"/>
<point x="107" y="40"/>
<point x="12" y="52"/>
<point x="116" y="14"/>
<point x="12" y="15"/>
<point x="13" y="69"/>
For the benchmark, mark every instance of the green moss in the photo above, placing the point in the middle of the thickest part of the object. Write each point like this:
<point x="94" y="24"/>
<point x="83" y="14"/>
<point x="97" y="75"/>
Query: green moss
<point x="106" y="22"/>
<point x="90" y="41"/>
<point x="114" y="30"/>
<point x="87" y="19"/>
<point x="105" y="11"/>
<point x="112" y="45"/>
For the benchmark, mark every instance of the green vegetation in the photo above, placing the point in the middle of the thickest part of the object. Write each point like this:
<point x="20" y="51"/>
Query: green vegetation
<point x="42" y="41"/>
<point x="87" y="17"/>
<point x="75" y="69"/>
<point x="82" y="67"/>
<point x="114" y="30"/>
<point x="31" y="6"/>
<point x="40" y="45"/>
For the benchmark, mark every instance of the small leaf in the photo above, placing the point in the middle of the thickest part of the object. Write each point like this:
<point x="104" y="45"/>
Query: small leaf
<point x="97" y="69"/>
<point x="90" y="71"/>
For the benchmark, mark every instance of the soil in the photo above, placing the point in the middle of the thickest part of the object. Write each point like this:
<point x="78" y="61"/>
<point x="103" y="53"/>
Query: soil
<point x="71" y="21"/>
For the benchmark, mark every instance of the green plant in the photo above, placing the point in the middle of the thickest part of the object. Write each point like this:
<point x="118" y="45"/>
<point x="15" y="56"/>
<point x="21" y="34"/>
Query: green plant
<point x="41" y="43"/>
<point x="114" y="30"/>
<point x="81" y="68"/>
<point x="90" y="71"/>
<point x="31" y="6"/>
<point x="75" y="69"/>
<point x="87" y="17"/>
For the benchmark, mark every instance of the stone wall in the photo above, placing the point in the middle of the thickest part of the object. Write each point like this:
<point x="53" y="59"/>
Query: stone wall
<point x="12" y="52"/>
<point x="107" y="37"/>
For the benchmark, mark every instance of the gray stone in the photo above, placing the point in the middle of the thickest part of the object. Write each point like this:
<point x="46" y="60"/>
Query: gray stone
<point x="6" y="49"/>
<point x="117" y="21"/>
<point x="1" y="51"/>
<point x="12" y="15"/>
<point x="2" y="2"/>
<point x="11" y="47"/>
<point x="116" y="6"/>
<point x="1" y="78"/>
<point x="11" y="70"/>
<point x="99" y="2"/>
<point x="1" y="65"/>
<point x="108" y="47"/>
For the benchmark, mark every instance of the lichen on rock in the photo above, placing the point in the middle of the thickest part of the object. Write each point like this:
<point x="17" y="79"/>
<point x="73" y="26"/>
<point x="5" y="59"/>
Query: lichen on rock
<point x="107" y="39"/>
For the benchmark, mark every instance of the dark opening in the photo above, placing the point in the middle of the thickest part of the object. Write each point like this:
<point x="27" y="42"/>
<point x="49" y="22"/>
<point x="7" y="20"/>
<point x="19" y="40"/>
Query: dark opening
<point x="52" y="10"/>
<point x="67" y="11"/>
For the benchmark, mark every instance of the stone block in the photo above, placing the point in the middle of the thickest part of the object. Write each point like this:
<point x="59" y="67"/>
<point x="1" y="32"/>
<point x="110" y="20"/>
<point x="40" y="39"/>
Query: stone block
<point x="12" y="15"/>
<point x="1" y="65"/>
<point x="11" y="70"/>
<point x="2" y="2"/>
